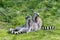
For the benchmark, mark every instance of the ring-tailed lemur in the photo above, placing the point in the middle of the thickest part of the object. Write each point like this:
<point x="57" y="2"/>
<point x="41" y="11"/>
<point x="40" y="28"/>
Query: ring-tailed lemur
<point x="27" y="28"/>
<point x="38" y="20"/>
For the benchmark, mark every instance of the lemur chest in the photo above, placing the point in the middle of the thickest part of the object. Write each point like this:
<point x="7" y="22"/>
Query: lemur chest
<point x="34" y="25"/>
<point x="39" y="20"/>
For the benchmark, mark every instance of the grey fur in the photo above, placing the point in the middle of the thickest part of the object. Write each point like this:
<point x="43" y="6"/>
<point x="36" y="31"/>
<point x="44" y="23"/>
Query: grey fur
<point x="25" y="28"/>
<point x="37" y="20"/>
<point x="30" y="25"/>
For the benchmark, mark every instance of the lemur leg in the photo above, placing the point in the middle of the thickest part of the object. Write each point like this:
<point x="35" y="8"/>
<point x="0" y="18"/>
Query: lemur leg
<point x="29" y="30"/>
<point x="39" y="22"/>
<point x="11" y="30"/>
<point x="39" y="26"/>
<point x="21" y="30"/>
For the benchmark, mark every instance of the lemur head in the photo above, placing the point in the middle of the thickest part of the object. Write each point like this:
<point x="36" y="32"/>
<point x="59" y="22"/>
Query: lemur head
<point x="36" y="14"/>
<point x="28" y="18"/>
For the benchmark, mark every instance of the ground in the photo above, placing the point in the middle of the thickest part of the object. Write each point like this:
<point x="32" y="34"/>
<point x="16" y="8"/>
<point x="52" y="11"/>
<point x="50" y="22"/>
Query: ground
<point x="38" y="35"/>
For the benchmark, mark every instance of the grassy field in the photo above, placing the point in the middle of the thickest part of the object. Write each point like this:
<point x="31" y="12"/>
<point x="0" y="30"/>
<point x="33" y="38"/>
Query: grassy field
<point x="13" y="13"/>
<point x="39" y="35"/>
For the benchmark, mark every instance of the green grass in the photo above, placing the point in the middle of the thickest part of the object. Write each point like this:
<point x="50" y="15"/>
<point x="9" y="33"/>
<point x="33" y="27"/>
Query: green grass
<point x="13" y="13"/>
<point x="39" y="35"/>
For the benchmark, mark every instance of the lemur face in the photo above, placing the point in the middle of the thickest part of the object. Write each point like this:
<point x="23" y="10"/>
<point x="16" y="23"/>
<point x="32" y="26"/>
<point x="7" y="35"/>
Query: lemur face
<point x="36" y="14"/>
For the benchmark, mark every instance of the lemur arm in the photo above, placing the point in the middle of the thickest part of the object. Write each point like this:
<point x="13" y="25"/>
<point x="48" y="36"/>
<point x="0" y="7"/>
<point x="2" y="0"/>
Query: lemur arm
<point x="39" y="23"/>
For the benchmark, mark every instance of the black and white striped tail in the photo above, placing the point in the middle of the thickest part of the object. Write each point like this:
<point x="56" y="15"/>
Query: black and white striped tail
<point x="48" y="28"/>
<point x="16" y="31"/>
<point x="13" y="31"/>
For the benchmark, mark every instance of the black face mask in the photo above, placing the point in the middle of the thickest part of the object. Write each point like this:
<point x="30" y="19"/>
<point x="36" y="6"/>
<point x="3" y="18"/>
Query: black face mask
<point x="36" y="17"/>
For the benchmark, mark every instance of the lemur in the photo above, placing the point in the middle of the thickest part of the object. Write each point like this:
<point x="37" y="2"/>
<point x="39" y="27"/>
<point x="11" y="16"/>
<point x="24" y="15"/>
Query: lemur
<point x="38" y="20"/>
<point x="26" y="28"/>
